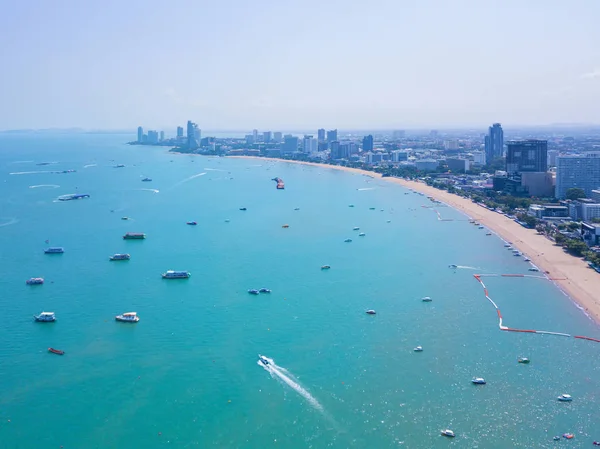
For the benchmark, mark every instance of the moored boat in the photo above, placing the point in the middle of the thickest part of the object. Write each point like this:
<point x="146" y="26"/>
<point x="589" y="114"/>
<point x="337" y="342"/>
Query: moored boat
<point x="523" y="360"/>
<point x="448" y="433"/>
<point x="565" y="398"/>
<point x="34" y="281"/>
<point x="426" y="299"/>
<point x="191" y="223"/>
<point x="174" y="274"/>
<point x="347" y="240"/>
<point x="418" y="349"/>
<point x="56" y="351"/>
<point x="128" y="317"/>
<point x="54" y="250"/>
<point x="370" y="312"/>
<point x="478" y="381"/>
<point x="253" y="291"/>
<point x="45" y="317"/>
<point x="134" y="236"/>
<point x="146" y="179"/>
<point x="361" y="234"/>
<point x="120" y="257"/>
<point x="325" y="267"/>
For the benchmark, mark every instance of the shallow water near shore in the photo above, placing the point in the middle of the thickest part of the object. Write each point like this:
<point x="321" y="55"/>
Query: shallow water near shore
<point x="186" y="375"/>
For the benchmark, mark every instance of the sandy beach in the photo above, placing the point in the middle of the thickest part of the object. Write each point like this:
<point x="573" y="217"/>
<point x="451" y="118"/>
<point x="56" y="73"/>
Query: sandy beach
<point x="571" y="274"/>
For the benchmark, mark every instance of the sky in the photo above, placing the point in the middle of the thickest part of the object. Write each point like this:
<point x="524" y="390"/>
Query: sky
<point x="298" y="64"/>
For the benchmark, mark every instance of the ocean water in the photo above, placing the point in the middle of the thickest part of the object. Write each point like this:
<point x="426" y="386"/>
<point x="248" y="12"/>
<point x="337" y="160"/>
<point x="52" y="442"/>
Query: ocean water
<point x="187" y="376"/>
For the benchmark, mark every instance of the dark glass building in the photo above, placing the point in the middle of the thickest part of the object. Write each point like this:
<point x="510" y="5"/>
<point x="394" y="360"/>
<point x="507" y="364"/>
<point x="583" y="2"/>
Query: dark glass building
<point x="494" y="143"/>
<point x="526" y="156"/>
<point x="367" y="143"/>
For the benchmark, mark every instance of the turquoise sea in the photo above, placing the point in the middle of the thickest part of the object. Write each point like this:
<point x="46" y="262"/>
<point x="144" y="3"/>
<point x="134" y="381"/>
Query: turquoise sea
<point x="186" y="375"/>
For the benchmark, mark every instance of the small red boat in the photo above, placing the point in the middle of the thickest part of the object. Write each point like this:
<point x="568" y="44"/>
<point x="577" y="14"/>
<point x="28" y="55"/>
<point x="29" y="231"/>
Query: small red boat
<point x="56" y="351"/>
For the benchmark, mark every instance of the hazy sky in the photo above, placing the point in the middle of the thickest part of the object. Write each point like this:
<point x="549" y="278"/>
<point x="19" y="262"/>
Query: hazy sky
<point x="287" y="64"/>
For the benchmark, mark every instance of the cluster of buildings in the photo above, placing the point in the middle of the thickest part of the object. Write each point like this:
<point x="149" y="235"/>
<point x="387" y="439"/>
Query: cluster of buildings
<point x="192" y="139"/>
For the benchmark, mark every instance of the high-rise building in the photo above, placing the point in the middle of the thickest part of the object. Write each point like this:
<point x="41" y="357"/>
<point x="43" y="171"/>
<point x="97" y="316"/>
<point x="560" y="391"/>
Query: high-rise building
<point x="277" y="137"/>
<point x="267" y="136"/>
<point x="335" y="152"/>
<point x="162" y="135"/>
<point x="309" y="145"/>
<point x="451" y="144"/>
<point x="552" y="155"/>
<point x="290" y="144"/>
<point x="582" y="171"/>
<point x="321" y="135"/>
<point x="494" y="143"/>
<point x="179" y="132"/>
<point x="192" y="133"/>
<point x="152" y="136"/>
<point x="367" y="143"/>
<point x="140" y="134"/>
<point x="255" y="135"/>
<point x="526" y="156"/>
<point x="332" y="135"/>
<point x="198" y="135"/>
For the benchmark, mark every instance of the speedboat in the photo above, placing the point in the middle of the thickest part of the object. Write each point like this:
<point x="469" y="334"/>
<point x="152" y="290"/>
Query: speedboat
<point x="527" y="259"/>
<point x="172" y="274"/>
<point x="347" y="240"/>
<point x="54" y="250"/>
<point x="325" y="267"/>
<point x="452" y="266"/>
<point x="45" y="317"/>
<point x="56" y="351"/>
<point x="361" y="234"/>
<point x="534" y="269"/>
<point x="418" y="349"/>
<point x="35" y="281"/>
<point x="191" y="223"/>
<point x="262" y="359"/>
<point x="478" y="381"/>
<point x="285" y="226"/>
<point x="128" y="317"/>
<point x="146" y="179"/>
<point x="426" y="299"/>
<point x="124" y="218"/>
<point x="565" y="398"/>
<point x="264" y="290"/>
<point x="370" y="312"/>
<point x="243" y="208"/>
<point x="253" y="291"/>
<point x="448" y="433"/>
<point x="355" y="228"/>
<point x="120" y="257"/>
<point x="568" y="436"/>
<point x="523" y="360"/>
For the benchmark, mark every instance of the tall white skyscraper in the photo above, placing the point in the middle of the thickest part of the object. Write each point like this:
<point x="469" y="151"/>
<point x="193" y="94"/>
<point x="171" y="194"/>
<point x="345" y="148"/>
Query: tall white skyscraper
<point x="577" y="171"/>
<point x="309" y="145"/>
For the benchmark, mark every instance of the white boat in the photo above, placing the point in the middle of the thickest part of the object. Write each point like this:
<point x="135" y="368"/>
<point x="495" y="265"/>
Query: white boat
<point x="527" y="259"/>
<point x="355" y="228"/>
<point x="262" y="359"/>
<point x="448" y="433"/>
<point x="361" y="234"/>
<point x="264" y="290"/>
<point x="128" y="317"/>
<point x="426" y="299"/>
<point x="172" y="274"/>
<point x="565" y="398"/>
<point x="34" y="281"/>
<point x="45" y="317"/>
<point x="370" y="312"/>
<point x="418" y="349"/>
<point x="478" y="381"/>
<point x="54" y="250"/>
<point x="533" y="269"/>
<point x="120" y="257"/>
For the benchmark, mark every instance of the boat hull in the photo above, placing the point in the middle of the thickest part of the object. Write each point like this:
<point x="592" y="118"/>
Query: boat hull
<point x="56" y="351"/>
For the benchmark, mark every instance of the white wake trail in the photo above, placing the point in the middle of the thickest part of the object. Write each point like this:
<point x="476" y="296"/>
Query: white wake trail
<point x="188" y="179"/>
<point x="53" y="186"/>
<point x="367" y="188"/>
<point x="278" y="372"/>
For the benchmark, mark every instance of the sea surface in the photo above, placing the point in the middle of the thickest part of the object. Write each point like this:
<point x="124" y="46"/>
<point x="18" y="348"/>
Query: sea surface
<point x="187" y="375"/>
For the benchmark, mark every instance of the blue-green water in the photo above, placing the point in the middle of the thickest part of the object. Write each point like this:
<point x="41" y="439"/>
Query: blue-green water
<point x="187" y="376"/>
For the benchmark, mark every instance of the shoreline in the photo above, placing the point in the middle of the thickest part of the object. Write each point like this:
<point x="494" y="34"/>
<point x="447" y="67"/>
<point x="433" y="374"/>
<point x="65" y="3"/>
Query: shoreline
<point x="570" y="274"/>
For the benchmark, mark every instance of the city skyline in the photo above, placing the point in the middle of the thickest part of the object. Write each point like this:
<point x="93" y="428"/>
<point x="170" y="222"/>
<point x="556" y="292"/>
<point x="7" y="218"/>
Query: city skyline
<point x="425" y="64"/>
